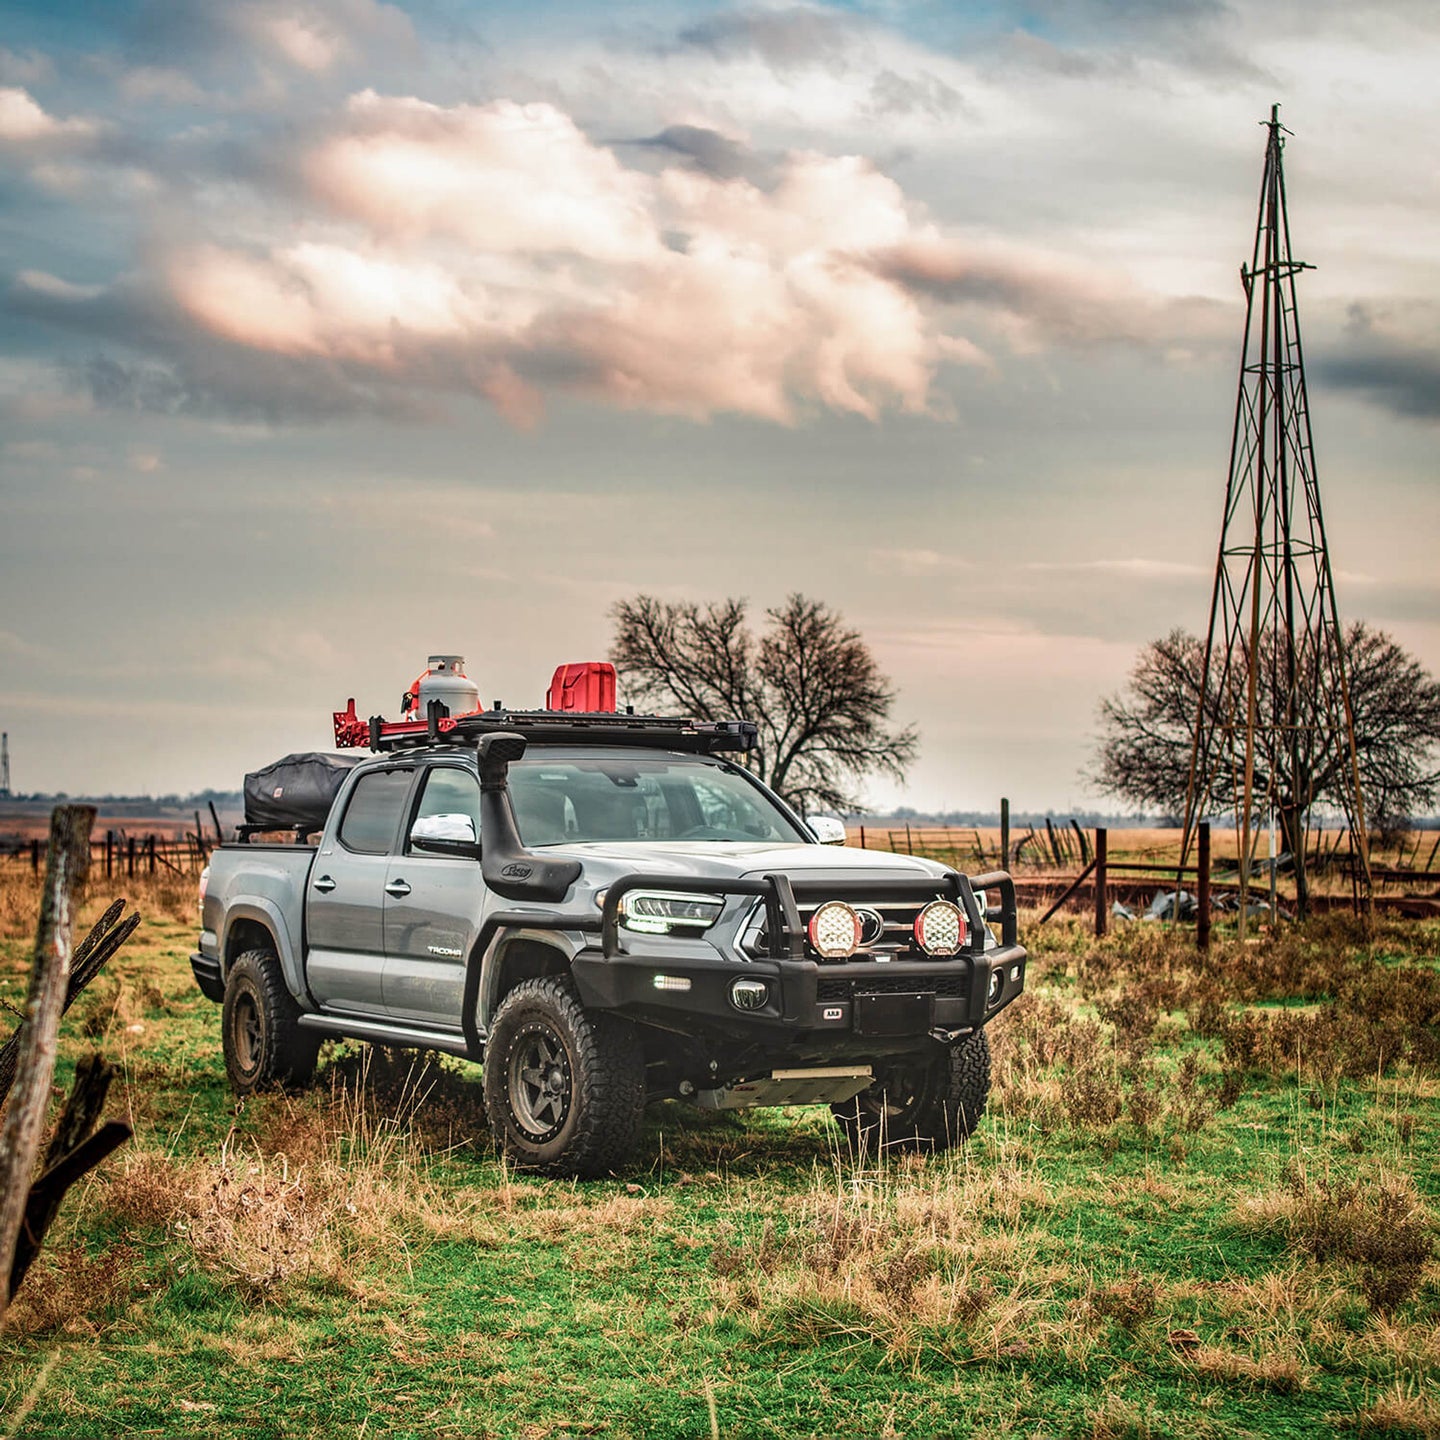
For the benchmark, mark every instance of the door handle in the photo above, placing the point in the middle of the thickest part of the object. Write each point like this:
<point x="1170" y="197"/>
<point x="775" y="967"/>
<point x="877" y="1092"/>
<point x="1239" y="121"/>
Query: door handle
<point x="397" y="888"/>
<point x="325" y="884"/>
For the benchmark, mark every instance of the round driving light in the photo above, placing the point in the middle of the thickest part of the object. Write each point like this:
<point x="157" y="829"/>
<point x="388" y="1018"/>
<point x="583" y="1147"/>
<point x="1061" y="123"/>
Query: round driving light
<point x="749" y="994"/>
<point x="940" y="928"/>
<point x="997" y="984"/>
<point x="834" y="930"/>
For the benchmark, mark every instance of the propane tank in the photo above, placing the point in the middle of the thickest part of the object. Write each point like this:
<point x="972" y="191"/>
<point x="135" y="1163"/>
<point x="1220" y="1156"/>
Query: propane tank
<point x="445" y="680"/>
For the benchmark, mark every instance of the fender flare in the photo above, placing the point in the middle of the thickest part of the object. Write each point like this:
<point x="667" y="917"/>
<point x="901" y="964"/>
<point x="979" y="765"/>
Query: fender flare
<point x="269" y="915"/>
<point x="498" y="931"/>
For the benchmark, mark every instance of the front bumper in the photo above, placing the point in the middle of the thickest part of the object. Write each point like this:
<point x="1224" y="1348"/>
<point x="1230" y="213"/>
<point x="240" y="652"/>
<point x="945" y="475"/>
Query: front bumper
<point x="861" y="1005"/>
<point x="872" y="1003"/>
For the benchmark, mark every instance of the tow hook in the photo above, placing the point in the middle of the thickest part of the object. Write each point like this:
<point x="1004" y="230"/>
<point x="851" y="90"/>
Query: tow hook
<point x="947" y="1035"/>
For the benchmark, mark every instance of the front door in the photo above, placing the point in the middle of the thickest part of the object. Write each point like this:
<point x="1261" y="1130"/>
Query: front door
<point x="345" y="906"/>
<point x="433" y="906"/>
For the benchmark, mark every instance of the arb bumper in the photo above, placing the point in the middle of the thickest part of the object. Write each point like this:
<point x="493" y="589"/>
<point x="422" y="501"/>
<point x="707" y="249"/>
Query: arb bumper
<point x="865" y="998"/>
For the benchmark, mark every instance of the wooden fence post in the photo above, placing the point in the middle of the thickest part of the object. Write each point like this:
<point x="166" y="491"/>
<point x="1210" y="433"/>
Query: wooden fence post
<point x="1004" y="833"/>
<point x="130" y="856"/>
<point x="1102" y="907"/>
<point x="66" y="862"/>
<point x="109" y="853"/>
<point x="35" y="856"/>
<point x="1202" y="889"/>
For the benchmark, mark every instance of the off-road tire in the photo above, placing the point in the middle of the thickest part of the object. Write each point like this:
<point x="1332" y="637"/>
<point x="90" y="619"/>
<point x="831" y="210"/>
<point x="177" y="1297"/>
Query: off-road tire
<point x="265" y="1048"/>
<point x="921" y="1107"/>
<point x="564" y="1088"/>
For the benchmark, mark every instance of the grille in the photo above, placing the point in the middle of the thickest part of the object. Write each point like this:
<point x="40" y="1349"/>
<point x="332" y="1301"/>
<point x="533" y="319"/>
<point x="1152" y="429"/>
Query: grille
<point x="896" y="937"/>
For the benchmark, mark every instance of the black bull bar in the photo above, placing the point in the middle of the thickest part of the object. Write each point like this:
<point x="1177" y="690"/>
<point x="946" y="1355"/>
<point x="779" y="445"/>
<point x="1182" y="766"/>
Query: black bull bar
<point x="786" y="935"/>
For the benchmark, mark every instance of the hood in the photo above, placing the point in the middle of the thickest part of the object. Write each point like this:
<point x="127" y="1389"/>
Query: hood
<point x="734" y="860"/>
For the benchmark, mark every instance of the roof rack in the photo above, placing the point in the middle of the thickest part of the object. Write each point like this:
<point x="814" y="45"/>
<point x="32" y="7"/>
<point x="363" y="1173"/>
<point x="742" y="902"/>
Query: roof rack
<point x="555" y="727"/>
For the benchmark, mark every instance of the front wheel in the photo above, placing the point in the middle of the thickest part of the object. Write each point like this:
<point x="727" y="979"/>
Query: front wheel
<point x="259" y="1027"/>
<point x="564" y="1088"/>
<point x="925" y="1105"/>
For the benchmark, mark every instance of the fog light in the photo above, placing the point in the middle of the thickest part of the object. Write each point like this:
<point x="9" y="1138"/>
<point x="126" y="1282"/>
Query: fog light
<point x="671" y="982"/>
<point x="749" y="994"/>
<point x="997" y="984"/>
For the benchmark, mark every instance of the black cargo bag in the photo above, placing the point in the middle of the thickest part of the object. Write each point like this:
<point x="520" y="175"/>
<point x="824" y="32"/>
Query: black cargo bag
<point x="296" y="791"/>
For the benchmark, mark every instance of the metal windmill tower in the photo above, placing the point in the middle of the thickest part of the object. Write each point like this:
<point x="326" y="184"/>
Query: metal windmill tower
<point x="1274" y="727"/>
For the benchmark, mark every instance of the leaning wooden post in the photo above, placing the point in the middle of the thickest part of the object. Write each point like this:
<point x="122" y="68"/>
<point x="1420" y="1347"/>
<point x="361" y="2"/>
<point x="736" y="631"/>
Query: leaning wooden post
<point x="1004" y="834"/>
<point x="1202" y="889"/>
<point x="65" y="867"/>
<point x="1102" y="906"/>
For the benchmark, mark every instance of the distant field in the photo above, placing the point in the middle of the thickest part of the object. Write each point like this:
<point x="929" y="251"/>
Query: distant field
<point x="1203" y="1204"/>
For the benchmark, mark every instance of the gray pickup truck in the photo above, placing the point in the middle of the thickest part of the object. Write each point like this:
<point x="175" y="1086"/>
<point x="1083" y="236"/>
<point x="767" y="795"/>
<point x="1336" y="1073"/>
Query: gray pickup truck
<point x="606" y="911"/>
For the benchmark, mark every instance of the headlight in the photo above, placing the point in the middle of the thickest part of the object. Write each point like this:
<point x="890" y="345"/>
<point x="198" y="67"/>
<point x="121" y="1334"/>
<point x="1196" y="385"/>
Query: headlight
<point x="664" y="912"/>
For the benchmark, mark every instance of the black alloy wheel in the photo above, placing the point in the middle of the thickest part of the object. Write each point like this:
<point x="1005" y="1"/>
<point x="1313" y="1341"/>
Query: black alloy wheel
<point x="564" y="1086"/>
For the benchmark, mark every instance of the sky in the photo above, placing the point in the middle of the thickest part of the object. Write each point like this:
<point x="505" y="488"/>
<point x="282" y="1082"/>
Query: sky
<point x="336" y="333"/>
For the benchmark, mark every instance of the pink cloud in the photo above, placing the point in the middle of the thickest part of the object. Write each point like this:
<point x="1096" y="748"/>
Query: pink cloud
<point x="498" y="250"/>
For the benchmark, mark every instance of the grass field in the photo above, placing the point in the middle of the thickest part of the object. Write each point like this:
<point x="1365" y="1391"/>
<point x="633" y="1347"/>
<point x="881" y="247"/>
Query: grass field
<point x="1203" y="1203"/>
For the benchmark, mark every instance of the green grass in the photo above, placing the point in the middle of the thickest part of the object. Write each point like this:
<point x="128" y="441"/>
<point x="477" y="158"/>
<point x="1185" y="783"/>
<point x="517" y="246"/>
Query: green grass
<point x="1202" y="1203"/>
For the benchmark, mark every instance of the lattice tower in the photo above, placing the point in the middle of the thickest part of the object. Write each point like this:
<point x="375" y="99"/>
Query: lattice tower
<point x="1274" y="731"/>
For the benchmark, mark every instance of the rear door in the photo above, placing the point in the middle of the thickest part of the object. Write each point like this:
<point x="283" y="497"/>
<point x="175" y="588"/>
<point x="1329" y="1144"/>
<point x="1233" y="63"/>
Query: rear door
<point x="345" y="902"/>
<point x="433" y="905"/>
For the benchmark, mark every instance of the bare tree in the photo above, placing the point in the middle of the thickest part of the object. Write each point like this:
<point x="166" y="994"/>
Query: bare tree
<point x="809" y="682"/>
<point x="1147" y="732"/>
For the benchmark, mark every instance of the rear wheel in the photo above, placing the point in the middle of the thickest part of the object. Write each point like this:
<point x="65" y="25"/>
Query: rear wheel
<point x="260" y="1031"/>
<point x="564" y="1088"/>
<point x="922" y="1105"/>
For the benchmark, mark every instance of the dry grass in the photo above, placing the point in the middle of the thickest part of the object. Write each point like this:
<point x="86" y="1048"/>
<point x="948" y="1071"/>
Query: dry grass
<point x="1284" y="1374"/>
<point x="70" y="1288"/>
<point x="327" y="1185"/>
<point x="895" y="1259"/>
<point x="1376" y="1224"/>
<point x="1404" y="1411"/>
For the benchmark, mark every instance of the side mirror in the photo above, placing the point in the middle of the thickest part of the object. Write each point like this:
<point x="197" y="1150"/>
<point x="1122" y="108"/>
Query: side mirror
<point x="446" y="835"/>
<point x="828" y="829"/>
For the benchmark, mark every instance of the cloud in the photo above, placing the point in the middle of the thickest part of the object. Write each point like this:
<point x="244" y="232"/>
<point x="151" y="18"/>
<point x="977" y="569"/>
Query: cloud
<point x="501" y="177"/>
<point x="384" y="254"/>
<point x="1081" y="37"/>
<point x="310" y="36"/>
<point x="31" y="68"/>
<point x="496" y="250"/>
<point x="714" y="153"/>
<point x="24" y="124"/>
<point x="1388" y="355"/>
<point x="1042" y="299"/>
<point x="796" y="36"/>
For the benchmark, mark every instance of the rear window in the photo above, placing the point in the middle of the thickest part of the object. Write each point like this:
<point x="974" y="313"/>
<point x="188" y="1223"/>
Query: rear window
<point x="372" y="816"/>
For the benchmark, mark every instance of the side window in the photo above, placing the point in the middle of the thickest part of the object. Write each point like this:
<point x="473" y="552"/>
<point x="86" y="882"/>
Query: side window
<point x="451" y="798"/>
<point x="373" y="814"/>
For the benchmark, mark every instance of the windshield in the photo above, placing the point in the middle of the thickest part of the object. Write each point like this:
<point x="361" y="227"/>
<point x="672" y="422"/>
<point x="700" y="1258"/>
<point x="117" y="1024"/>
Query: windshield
<point x="577" y="798"/>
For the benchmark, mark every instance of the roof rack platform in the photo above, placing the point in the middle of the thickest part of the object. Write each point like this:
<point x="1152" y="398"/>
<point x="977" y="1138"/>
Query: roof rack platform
<point x="554" y="727"/>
